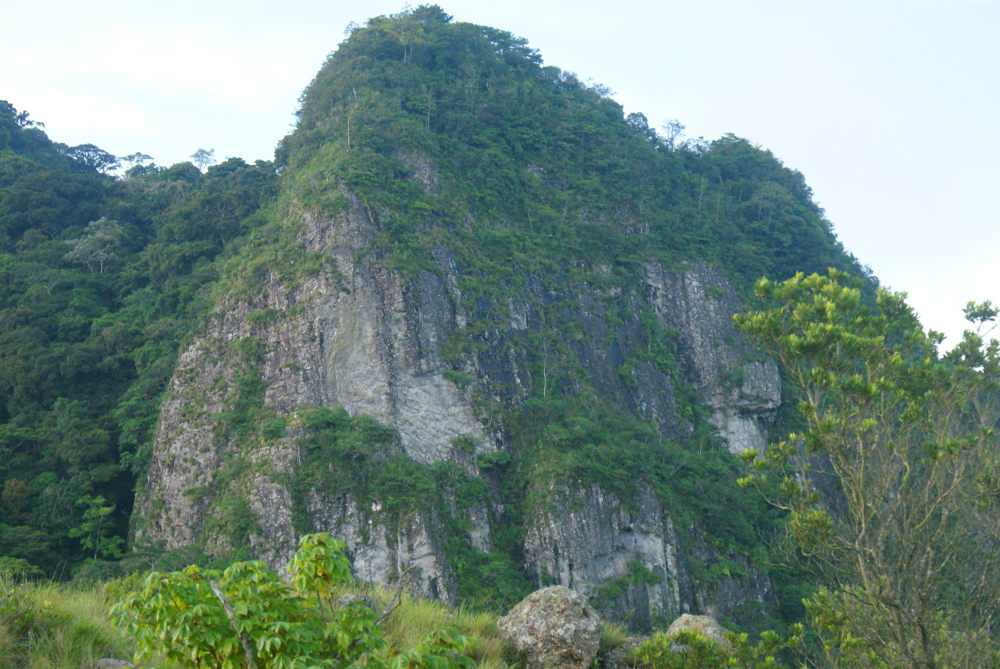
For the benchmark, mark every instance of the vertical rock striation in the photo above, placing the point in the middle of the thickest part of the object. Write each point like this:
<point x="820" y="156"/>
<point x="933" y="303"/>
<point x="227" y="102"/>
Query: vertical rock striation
<point x="742" y="389"/>
<point x="357" y="335"/>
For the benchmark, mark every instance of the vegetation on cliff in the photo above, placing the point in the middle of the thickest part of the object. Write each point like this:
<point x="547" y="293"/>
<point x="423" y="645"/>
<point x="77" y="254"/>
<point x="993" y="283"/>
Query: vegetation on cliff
<point x="455" y="141"/>
<point x="457" y="135"/>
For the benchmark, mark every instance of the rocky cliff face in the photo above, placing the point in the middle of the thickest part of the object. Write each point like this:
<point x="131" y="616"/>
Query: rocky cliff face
<point x="627" y="559"/>
<point x="743" y="391"/>
<point x="358" y="335"/>
<point x="485" y="338"/>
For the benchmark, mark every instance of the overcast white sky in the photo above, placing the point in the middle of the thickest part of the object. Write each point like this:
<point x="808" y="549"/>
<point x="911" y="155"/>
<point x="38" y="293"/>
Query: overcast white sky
<point x="889" y="107"/>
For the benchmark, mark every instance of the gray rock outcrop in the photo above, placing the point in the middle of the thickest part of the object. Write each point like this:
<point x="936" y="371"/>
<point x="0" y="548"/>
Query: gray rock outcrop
<point x="587" y="540"/>
<point x="742" y="389"/>
<point x="555" y="627"/>
<point x="704" y="626"/>
<point x="359" y="335"/>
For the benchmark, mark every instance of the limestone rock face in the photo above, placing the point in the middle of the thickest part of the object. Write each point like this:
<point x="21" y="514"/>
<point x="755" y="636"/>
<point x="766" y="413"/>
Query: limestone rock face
<point x="555" y="627"/>
<point x="360" y="335"/>
<point x="381" y="552"/>
<point x="349" y="336"/>
<point x="586" y="539"/>
<point x="743" y="389"/>
<point x="629" y="560"/>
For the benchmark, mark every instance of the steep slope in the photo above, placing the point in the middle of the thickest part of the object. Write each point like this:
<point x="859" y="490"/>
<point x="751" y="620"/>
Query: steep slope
<point x="486" y="339"/>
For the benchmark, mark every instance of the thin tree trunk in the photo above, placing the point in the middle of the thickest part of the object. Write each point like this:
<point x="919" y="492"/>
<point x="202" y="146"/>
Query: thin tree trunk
<point x="247" y="648"/>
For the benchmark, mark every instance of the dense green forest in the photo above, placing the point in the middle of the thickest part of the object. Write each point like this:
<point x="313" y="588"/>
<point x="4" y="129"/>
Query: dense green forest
<point x="103" y="277"/>
<point x="451" y="136"/>
<point x="549" y="166"/>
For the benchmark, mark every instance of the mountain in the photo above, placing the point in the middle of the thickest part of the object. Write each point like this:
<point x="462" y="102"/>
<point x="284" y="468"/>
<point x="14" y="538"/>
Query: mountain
<point x="483" y="333"/>
<point x="472" y="319"/>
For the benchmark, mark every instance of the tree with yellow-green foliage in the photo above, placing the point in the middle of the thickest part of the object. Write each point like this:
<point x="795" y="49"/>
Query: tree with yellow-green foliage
<point x="893" y="487"/>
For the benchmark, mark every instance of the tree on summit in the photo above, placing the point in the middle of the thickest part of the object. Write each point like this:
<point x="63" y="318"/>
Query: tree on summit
<point x="94" y="157"/>
<point x="202" y="158"/>
<point x="409" y="28"/>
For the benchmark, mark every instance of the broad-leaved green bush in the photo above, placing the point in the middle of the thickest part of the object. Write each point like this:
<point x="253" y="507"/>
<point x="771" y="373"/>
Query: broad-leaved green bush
<point x="247" y="616"/>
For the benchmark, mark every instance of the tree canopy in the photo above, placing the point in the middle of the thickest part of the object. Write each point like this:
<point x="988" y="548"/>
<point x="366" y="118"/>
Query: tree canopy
<point x="100" y="279"/>
<point x="892" y="488"/>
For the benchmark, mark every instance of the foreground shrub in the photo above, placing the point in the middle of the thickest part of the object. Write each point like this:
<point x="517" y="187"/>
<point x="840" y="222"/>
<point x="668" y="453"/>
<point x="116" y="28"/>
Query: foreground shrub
<point x="247" y="616"/>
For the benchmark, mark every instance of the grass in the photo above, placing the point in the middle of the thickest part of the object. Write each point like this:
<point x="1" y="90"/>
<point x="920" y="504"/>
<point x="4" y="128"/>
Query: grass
<point x="612" y="636"/>
<point x="416" y="616"/>
<point x="45" y="625"/>
<point x="56" y="626"/>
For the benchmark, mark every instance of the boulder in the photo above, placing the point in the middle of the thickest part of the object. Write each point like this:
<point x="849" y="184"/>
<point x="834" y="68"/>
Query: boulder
<point x="555" y="627"/>
<point x="705" y="626"/>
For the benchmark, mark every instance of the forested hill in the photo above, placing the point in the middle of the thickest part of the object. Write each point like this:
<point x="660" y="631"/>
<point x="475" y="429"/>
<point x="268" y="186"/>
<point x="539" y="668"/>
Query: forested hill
<point x="453" y="136"/>
<point x="100" y="279"/>
<point x="484" y="335"/>
<point x="534" y="147"/>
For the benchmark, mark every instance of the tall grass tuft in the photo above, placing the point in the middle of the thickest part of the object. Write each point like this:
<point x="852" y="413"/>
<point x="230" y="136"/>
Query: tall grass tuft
<point x="415" y="616"/>
<point x="56" y="626"/>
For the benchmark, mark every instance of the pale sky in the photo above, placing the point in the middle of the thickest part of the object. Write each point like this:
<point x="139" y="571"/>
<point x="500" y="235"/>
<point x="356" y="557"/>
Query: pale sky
<point x="889" y="107"/>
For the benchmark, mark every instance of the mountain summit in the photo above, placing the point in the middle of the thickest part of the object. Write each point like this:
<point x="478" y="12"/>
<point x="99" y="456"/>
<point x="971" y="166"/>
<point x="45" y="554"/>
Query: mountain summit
<point x="485" y="338"/>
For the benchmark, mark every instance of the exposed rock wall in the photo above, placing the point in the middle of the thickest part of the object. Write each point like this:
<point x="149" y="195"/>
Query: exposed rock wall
<point x="588" y="540"/>
<point x="380" y="553"/>
<point x="356" y="335"/>
<point x="743" y="391"/>
<point x="629" y="559"/>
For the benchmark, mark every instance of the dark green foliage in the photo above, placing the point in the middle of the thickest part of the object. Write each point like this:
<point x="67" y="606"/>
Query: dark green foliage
<point x="358" y="455"/>
<point x="692" y="650"/>
<point x="885" y="485"/>
<point x="100" y="281"/>
<point x="548" y="168"/>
